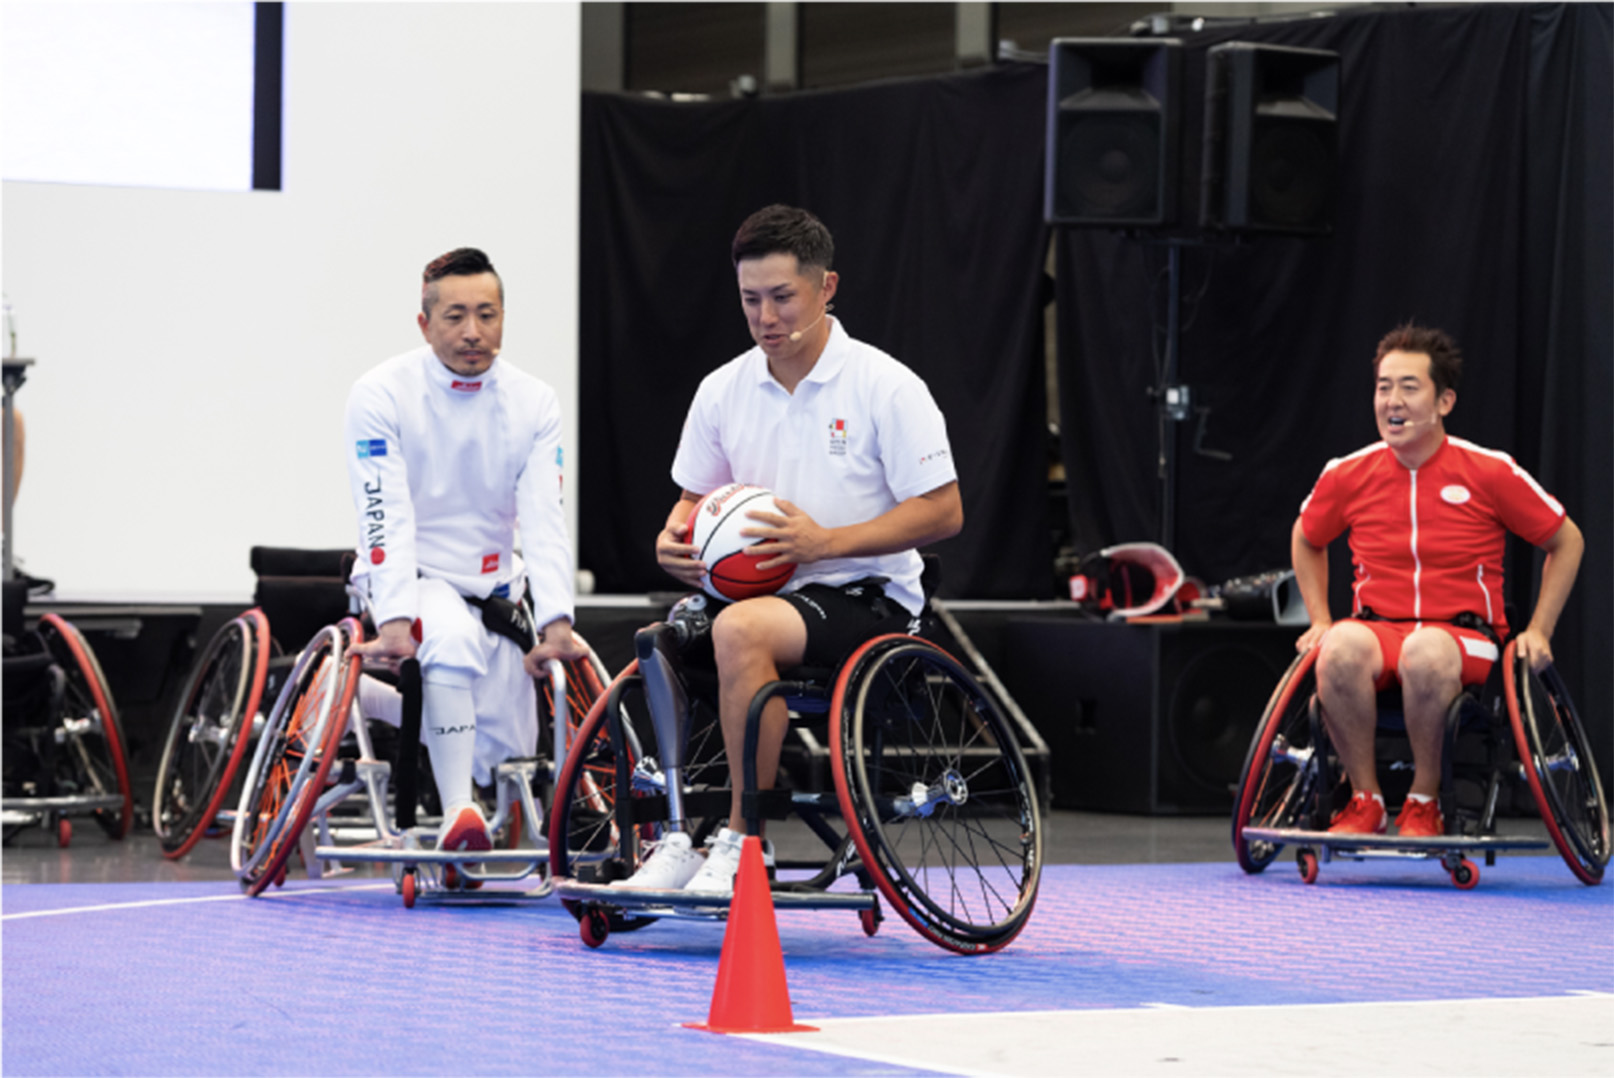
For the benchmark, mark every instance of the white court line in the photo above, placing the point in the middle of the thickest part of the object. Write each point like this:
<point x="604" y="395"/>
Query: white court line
<point x="1563" y="1035"/>
<point x="111" y="906"/>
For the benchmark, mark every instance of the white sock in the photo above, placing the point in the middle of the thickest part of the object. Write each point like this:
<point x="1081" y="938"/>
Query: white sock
<point x="1422" y="799"/>
<point x="448" y="729"/>
<point x="378" y="700"/>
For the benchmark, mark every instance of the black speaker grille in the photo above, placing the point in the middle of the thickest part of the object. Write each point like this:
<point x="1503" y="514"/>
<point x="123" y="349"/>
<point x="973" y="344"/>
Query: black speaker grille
<point x="1113" y="162"/>
<point x="1215" y="705"/>
<point x="1292" y="171"/>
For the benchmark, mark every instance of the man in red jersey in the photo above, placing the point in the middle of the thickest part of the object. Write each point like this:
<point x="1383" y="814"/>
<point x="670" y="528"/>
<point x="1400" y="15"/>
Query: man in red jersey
<point x="1428" y="516"/>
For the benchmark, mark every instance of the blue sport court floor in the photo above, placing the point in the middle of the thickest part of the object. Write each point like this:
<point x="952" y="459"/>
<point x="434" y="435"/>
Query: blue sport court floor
<point x="1158" y="966"/>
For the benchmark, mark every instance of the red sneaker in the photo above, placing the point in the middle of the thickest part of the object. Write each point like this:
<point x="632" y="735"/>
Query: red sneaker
<point x="1364" y="815"/>
<point x="466" y="831"/>
<point x="1420" y="819"/>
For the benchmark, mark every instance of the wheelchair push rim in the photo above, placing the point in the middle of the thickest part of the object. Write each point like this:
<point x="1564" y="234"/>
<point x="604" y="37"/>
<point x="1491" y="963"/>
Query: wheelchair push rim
<point x="1558" y="765"/>
<point x="936" y="794"/>
<point x="264" y="835"/>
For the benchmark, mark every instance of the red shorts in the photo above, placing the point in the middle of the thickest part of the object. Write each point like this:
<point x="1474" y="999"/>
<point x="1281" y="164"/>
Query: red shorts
<point x="1479" y="651"/>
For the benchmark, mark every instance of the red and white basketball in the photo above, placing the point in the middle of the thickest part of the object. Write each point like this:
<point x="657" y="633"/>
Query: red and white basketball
<point x="715" y="532"/>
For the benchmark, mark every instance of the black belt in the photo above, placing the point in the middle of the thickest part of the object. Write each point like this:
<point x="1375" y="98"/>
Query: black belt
<point x="508" y="619"/>
<point x="1465" y="620"/>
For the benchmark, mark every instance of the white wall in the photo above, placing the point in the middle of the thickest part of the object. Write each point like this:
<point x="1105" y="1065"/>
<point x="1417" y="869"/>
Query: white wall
<point x="195" y="349"/>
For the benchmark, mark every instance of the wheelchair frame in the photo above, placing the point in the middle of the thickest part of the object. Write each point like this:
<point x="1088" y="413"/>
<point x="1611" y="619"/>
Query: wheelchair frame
<point x="1290" y="781"/>
<point x="79" y="745"/>
<point x="334" y="808"/>
<point x="878" y="695"/>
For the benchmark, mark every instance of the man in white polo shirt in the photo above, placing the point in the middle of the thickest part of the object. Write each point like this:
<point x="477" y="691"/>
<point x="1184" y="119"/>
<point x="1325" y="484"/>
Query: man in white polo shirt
<point x="855" y="450"/>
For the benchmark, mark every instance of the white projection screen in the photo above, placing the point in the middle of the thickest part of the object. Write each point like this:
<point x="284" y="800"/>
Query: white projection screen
<point x="130" y="94"/>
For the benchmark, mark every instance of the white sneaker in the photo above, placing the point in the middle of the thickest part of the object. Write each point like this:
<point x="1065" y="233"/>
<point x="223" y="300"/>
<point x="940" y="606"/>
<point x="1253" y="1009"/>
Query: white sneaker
<point x="669" y="866"/>
<point x="716" y="876"/>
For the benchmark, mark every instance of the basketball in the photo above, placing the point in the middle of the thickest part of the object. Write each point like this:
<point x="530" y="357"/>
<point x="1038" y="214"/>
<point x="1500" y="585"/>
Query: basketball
<point x="715" y="532"/>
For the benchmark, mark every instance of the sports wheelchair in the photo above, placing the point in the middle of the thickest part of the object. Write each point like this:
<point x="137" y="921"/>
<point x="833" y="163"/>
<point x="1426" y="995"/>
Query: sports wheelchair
<point x="316" y="784"/>
<point x="937" y="811"/>
<point x="64" y="746"/>
<point x="222" y="709"/>
<point x="1519" y="730"/>
<point x="217" y="717"/>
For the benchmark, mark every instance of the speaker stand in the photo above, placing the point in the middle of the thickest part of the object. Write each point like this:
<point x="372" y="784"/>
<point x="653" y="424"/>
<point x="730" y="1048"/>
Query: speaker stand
<point x="1174" y="400"/>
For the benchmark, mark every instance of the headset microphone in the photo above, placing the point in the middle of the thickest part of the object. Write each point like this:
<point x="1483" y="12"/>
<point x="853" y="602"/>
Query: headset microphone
<point x="800" y="333"/>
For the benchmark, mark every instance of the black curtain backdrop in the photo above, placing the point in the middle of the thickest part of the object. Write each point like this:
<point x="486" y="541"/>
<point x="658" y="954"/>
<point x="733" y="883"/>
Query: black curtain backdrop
<point x="933" y="190"/>
<point x="1476" y="193"/>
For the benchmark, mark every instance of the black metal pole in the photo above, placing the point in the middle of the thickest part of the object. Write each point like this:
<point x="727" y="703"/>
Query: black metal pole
<point x="1169" y="402"/>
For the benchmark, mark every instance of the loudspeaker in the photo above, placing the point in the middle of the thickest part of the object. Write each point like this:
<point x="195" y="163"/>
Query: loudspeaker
<point x="1149" y="719"/>
<point x="1112" y="132"/>
<point x="1271" y="153"/>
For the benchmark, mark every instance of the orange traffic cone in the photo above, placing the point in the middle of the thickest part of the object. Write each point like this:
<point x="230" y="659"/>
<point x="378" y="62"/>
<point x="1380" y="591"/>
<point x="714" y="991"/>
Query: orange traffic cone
<point x="751" y="995"/>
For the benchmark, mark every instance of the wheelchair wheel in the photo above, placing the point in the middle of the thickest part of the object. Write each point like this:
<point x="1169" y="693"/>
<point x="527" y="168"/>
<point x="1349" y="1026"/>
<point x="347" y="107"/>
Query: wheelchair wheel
<point x="1558" y="765"/>
<point x="936" y="794"/>
<point x="92" y="734"/>
<point x="588" y="840"/>
<point x="1280" y="771"/>
<point x="208" y="736"/>
<point x="293" y="756"/>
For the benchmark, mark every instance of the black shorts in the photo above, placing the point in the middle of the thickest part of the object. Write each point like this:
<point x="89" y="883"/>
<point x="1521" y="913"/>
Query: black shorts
<point x="840" y="617"/>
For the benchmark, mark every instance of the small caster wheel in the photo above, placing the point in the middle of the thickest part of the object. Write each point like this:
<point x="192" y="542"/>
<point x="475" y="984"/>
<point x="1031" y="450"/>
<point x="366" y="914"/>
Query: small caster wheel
<point x="594" y="927"/>
<point x="407" y="887"/>
<point x="870" y="919"/>
<point x="64" y="832"/>
<point x="1308" y="866"/>
<point x="1466" y="875"/>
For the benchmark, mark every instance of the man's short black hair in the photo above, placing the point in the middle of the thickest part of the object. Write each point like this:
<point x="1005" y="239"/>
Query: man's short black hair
<point x="787" y="230"/>
<point x="460" y="262"/>
<point x="1445" y="358"/>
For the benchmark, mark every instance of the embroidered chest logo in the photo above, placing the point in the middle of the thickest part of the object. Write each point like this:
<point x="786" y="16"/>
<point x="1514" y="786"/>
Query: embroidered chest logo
<point x="1455" y="494"/>
<point x="837" y="438"/>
